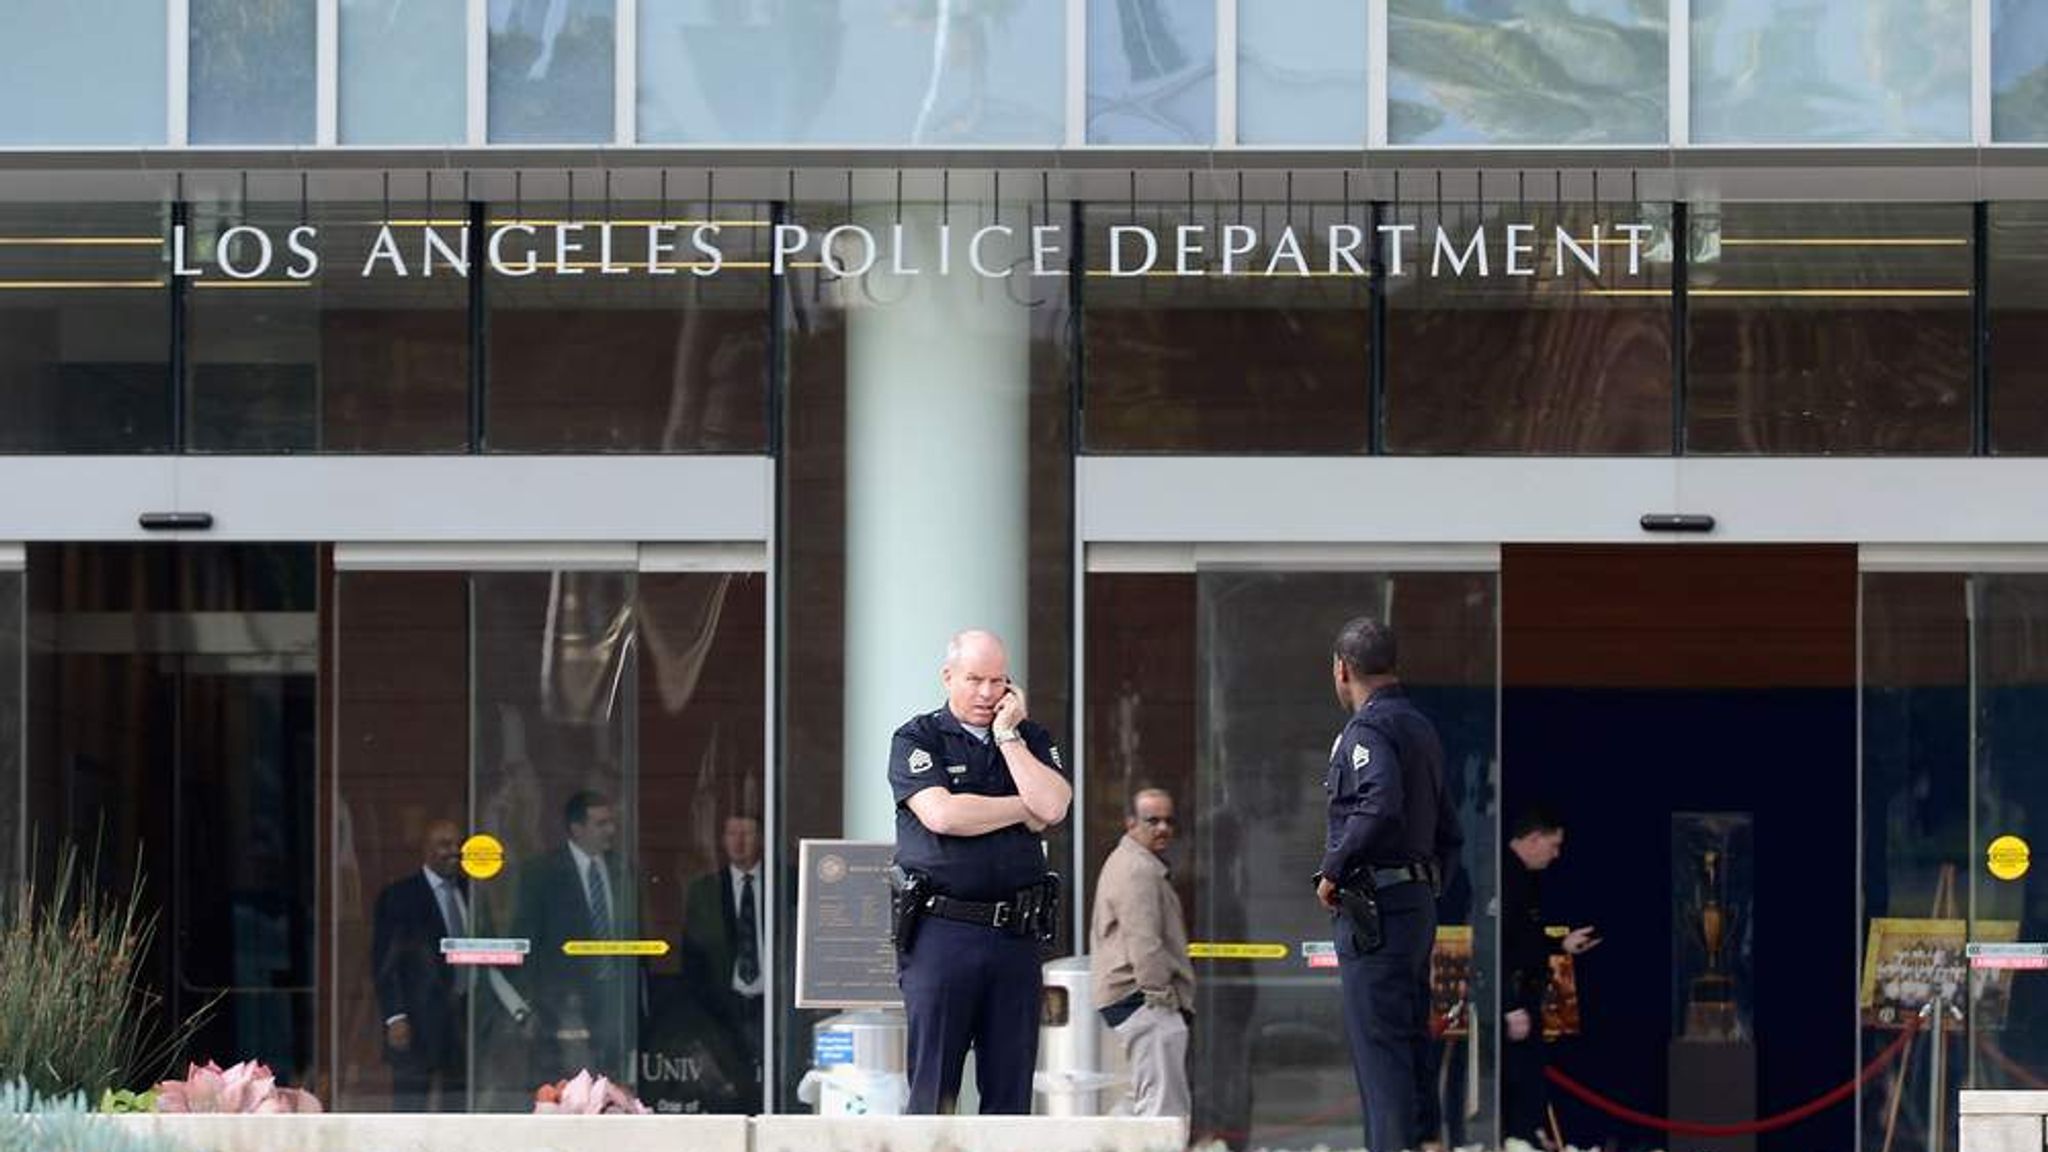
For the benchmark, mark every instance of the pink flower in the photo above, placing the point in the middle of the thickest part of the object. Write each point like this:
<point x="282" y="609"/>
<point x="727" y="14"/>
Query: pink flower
<point x="249" y="1086"/>
<point x="585" y="1095"/>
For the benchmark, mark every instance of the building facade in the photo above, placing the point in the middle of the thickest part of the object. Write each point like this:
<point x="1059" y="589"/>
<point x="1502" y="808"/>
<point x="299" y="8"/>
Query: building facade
<point x="439" y="412"/>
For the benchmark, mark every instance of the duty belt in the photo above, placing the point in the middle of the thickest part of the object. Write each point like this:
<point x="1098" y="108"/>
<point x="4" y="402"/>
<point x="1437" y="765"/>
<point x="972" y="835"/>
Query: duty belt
<point x="1401" y="874"/>
<point x="996" y="914"/>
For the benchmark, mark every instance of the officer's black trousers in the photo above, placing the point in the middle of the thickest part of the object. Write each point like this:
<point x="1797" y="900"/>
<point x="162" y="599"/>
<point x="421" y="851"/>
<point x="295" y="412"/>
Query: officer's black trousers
<point x="967" y="986"/>
<point x="1386" y="1016"/>
<point x="1524" y="1092"/>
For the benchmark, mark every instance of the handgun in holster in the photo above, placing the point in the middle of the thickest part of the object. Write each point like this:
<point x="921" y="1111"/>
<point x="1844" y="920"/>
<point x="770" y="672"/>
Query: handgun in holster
<point x="1040" y="912"/>
<point x="1360" y="901"/>
<point x="908" y="892"/>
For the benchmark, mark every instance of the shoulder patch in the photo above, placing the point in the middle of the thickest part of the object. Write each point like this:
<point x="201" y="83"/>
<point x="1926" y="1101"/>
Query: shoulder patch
<point x="920" y="762"/>
<point x="1360" y="756"/>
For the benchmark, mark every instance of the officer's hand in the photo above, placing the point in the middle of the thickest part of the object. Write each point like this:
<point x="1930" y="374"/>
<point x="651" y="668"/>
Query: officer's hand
<point x="1580" y="940"/>
<point x="1011" y="711"/>
<point x="1327" y="893"/>
<point x="398" y="1034"/>
<point x="1518" y="1024"/>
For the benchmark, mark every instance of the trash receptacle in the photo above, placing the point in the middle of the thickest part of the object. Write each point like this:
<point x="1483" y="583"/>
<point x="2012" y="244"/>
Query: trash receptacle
<point x="858" y="1065"/>
<point x="1070" y="1080"/>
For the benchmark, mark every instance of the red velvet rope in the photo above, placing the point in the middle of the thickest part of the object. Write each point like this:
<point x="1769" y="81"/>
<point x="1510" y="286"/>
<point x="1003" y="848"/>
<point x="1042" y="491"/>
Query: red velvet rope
<point x="1768" y="1124"/>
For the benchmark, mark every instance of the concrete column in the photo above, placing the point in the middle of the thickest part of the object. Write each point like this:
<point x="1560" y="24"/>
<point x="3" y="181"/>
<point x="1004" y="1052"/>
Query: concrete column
<point x="937" y="468"/>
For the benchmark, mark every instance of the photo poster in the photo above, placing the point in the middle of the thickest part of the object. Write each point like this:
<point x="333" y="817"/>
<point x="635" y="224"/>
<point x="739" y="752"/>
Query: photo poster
<point x="1450" y="986"/>
<point x="1908" y="962"/>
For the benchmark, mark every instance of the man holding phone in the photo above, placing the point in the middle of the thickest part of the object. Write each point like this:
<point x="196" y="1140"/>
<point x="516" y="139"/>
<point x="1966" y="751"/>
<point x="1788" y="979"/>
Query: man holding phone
<point x="1535" y="841"/>
<point x="976" y="782"/>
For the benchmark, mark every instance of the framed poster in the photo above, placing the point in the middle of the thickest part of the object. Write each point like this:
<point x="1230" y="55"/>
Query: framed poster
<point x="843" y="955"/>
<point x="1909" y="962"/>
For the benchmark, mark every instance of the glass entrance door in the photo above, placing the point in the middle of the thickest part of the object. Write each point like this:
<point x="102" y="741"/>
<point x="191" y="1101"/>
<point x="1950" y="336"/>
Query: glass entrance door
<point x="172" y="720"/>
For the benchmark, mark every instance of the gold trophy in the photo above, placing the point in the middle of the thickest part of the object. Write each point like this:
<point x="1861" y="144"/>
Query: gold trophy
<point x="1710" y="1009"/>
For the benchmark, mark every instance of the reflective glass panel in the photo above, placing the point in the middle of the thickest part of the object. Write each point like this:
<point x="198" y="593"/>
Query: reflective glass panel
<point x="1216" y="687"/>
<point x="1816" y="329"/>
<point x="82" y="73"/>
<point x="1151" y="72"/>
<point x="402" y="73"/>
<point x="85" y="329"/>
<point x="1301" y="72"/>
<point x="551" y="71"/>
<point x="859" y="72"/>
<point x="1209" y="362"/>
<point x="1541" y="355"/>
<point x="252" y="72"/>
<point x="1818" y="71"/>
<point x="1527" y="72"/>
<point x="13" y="634"/>
<point x="2019" y="70"/>
<point x="366" y="355"/>
<point x="584" y="361"/>
<point x="2017" y="295"/>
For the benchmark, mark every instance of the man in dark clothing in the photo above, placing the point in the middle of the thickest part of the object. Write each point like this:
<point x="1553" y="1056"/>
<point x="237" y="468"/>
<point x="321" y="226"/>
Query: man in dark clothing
<point x="1392" y="835"/>
<point x="1535" y="842"/>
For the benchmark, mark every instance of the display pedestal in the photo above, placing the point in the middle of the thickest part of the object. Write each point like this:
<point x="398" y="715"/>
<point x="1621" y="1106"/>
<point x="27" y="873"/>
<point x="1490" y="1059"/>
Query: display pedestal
<point x="1713" y="1082"/>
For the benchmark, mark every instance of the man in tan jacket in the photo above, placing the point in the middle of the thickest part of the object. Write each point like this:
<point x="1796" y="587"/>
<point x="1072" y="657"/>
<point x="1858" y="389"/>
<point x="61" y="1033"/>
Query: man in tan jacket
<point x="1144" y="984"/>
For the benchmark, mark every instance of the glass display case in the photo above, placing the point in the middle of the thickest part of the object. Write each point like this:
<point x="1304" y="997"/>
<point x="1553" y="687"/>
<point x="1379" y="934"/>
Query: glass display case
<point x="1713" y="897"/>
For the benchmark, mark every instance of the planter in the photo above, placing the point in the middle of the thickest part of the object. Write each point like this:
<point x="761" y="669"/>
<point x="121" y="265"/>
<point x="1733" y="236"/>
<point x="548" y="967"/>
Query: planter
<point x="390" y="1132"/>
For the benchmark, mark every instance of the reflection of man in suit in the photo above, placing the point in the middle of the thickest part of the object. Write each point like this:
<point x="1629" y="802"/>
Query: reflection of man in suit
<point x="722" y="936"/>
<point x="576" y="893"/>
<point x="421" y="997"/>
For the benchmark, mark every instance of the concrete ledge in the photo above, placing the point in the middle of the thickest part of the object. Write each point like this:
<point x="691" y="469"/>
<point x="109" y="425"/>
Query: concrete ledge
<point x="1996" y="1121"/>
<point x="1992" y="1102"/>
<point x="384" y="1132"/>
<point x="968" y="1134"/>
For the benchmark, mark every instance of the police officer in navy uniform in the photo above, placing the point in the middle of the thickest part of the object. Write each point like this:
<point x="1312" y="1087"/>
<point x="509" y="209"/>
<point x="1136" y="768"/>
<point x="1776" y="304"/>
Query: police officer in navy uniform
<point x="975" y="783"/>
<point x="1392" y="835"/>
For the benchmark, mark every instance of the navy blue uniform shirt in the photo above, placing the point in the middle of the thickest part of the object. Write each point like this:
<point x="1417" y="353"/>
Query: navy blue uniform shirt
<point x="931" y="749"/>
<point x="1388" y="802"/>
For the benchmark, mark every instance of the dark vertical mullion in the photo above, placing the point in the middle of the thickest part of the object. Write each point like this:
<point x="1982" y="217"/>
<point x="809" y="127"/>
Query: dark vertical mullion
<point x="778" y="359"/>
<point x="479" y="325"/>
<point x="1681" y="255"/>
<point x="1376" y="354"/>
<point x="1980" y="329"/>
<point x="181" y="219"/>
<point x="1077" y="329"/>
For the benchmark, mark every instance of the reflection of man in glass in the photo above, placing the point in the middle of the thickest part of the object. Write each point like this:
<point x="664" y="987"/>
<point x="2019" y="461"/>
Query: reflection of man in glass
<point x="577" y="893"/>
<point x="418" y="994"/>
<point x="1536" y="841"/>
<point x="722" y="955"/>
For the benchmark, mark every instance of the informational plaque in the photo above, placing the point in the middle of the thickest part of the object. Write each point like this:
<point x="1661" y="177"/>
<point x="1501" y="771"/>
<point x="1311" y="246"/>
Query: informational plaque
<point x="843" y="955"/>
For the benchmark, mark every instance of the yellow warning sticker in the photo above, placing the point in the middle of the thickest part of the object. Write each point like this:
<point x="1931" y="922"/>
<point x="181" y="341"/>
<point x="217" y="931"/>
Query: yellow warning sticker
<point x="614" y="947"/>
<point x="1211" y="950"/>
<point x="2007" y="858"/>
<point x="482" y="856"/>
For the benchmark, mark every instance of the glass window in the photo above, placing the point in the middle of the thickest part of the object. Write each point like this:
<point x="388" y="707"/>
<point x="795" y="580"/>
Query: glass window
<point x="2017" y="293"/>
<point x="1482" y="72"/>
<point x="859" y="72"/>
<point x="1216" y="363"/>
<point x="83" y="73"/>
<point x="1301" y="72"/>
<point x="664" y="363"/>
<point x="173" y="722"/>
<point x="252" y="72"/>
<point x="1216" y="687"/>
<point x="551" y="71"/>
<point x="2019" y="71"/>
<point x="341" y="361"/>
<point x="85" y="333"/>
<point x="13" y="634"/>
<point x="1151" y="72"/>
<point x="1815" y="71"/>
<point x="620" y="713"/>
<point x="1562" y="361"/>
<point x="403" y="73"/>
<point x="1817" y="329"/>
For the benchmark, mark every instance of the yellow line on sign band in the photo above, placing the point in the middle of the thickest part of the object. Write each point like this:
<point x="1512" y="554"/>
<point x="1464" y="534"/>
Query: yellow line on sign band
<point x="614" y="947"/>
<point x="1212" y="950"/>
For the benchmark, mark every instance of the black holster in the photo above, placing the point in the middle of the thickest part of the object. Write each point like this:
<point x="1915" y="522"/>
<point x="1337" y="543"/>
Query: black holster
<point x="908" y="892"/>
<point x="1038" y="909"/>
<point x="1360" y="902"/>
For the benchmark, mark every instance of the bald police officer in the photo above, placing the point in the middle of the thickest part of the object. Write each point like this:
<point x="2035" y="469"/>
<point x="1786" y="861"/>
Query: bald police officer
<point x="1392" y="834"/>
<point x="976" y="782"/>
